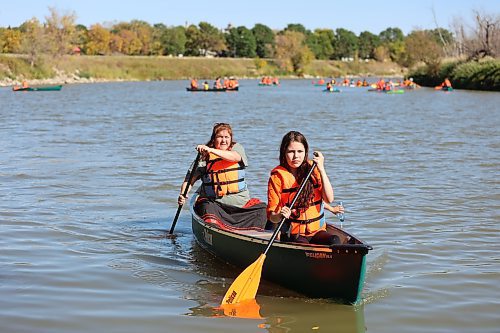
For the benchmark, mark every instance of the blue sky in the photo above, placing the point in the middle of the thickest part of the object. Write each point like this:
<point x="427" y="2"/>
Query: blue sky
<point x="354" y="15"/>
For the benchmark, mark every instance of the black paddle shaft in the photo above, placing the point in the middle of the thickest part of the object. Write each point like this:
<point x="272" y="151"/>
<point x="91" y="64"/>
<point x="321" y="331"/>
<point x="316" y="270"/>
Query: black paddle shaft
<point x="195" y="165"/>
<point x="273" y="237"/>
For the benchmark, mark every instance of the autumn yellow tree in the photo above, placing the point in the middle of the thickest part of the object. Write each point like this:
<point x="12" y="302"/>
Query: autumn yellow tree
<point x="10" y="40"/>
<point x="98" y="40"/>
<point x="292" y="54"/>
<point x="33" y="41"/>
<point x="60" y="31"/>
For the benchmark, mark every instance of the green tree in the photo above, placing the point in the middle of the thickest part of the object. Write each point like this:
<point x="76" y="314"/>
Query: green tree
<point x="391" y="35"/>
<point x="81" y="37"/>
<point x="156" y="35"/>
<point x="320" y="42"/>
<point x="264" y="40"/>
<point x="393" y="40"/>
<point x="174" y="40"/>
<point x="210" y="39"/>
<point x="241" y="43"/>
<point x="367" y="44"/>
<point x="345" y="44"/>
<point x="192" y="40"/>
<point x="297" y="27"/>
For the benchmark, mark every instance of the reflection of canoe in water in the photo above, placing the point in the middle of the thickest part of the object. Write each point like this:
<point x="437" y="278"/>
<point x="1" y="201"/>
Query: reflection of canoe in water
<point x="268" y="85"/>
<point x="212" y="90"/>
<point x="319" y="271"/>
<point x="46" y="88"/>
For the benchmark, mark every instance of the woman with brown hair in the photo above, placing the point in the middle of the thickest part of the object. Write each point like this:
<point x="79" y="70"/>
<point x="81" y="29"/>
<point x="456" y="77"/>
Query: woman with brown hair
<point x="306" y="222"/>
<point x="223" y="194"/>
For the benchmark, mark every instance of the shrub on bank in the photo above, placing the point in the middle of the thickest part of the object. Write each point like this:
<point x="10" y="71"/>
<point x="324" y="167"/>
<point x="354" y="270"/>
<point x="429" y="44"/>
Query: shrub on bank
<point x="474" y="75"/>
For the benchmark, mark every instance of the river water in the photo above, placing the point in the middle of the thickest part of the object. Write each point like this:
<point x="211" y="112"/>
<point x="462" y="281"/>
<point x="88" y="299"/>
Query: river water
<point x="89" y="178"/>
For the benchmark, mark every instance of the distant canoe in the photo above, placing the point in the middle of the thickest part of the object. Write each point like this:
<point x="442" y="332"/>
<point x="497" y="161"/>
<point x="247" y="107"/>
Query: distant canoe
<point x="45" y="88"/>
<point x="335" y="90"/>
<point x="443" y="88"/>
<point x="398" y="91"/>
<point x="213" y="89"/>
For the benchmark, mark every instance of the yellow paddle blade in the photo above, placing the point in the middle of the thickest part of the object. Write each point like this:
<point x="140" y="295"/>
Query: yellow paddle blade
<point x="246" y="284"/>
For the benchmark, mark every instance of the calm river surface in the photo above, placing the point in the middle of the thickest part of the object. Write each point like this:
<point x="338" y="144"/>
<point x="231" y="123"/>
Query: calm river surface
<point x="89" y="178"/>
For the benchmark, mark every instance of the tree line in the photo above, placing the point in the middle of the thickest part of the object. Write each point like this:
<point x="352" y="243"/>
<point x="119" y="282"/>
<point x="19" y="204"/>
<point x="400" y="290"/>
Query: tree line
<point x="292" y="48"/>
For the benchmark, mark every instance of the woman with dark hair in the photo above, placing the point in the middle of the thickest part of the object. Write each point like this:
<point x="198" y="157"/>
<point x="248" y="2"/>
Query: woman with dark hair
<point x="223" y="194"/>
<point x="306" y="221"/>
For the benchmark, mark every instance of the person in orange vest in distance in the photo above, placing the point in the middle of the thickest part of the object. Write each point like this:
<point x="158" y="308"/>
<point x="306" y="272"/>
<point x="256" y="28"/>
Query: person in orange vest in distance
<point x="446" y="83"/>
<point x="365" y="83"/>
<point x="381" y="84"/>
<point x="321" y="81"/>
<point x="276" y="81"/>
<point x="233" y="83"/>
<point x="25" y="84"/>
<point x="194" y="84"/>
<point x="306" y="222"/>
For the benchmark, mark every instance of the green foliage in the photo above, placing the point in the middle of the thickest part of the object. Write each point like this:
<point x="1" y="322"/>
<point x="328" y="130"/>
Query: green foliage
<point x="320" y="42"/>
<point x="241" y="43"/>
<point x="264" y="40"/>
<point x="473" y="75"/>
<point x="367" y="44"/>
<point x="477" y="75"/>
<point x="345" y="44"/>
<point x="173" y="41"/>
<point x="297" y="27"/>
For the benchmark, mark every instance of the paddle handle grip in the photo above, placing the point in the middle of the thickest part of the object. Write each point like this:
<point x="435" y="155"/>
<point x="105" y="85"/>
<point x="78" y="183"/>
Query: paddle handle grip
<point x="184" y="194"/>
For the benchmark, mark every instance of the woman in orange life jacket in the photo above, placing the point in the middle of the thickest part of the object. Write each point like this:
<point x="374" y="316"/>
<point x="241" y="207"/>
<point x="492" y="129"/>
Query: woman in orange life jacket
<point x="306" y="222"/>
<point x="223" y="195"/>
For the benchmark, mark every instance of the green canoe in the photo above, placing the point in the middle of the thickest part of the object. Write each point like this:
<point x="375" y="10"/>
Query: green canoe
<point x="317" y="271"/>
<point x="46" y="88"/>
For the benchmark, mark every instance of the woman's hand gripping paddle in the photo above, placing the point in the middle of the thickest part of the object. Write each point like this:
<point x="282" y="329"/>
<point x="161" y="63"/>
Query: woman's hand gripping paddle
<point x="195" y="165"/>
<point x="246" y="284"/>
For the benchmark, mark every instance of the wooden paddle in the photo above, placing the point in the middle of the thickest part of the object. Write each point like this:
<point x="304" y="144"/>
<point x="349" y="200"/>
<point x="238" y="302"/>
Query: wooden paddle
<point x="195" y="165"/>
<point x="246" y="284"/>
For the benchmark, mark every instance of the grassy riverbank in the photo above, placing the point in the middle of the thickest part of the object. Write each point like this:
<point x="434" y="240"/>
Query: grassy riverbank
<point x="482" y="75"/>
<point x="474" y="75"/>
<point x="69" y="69"/>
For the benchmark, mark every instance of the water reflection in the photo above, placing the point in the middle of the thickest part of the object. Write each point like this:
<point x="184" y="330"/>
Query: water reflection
<point x="284" y="314"/>
<point x="276" y="309"/>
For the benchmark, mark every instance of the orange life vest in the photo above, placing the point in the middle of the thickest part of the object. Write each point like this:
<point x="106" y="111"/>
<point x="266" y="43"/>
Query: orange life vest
<point x="223" y="177"/>
<point x="308" y="220"/>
